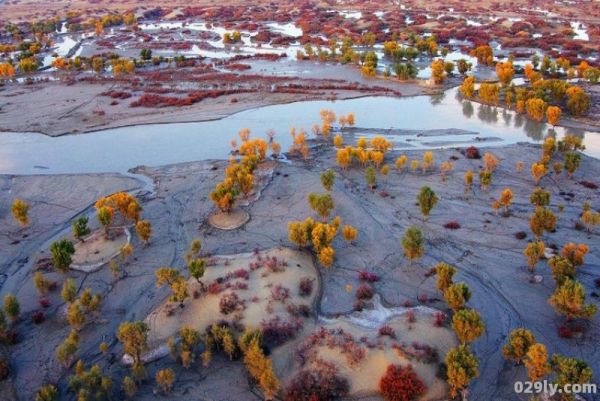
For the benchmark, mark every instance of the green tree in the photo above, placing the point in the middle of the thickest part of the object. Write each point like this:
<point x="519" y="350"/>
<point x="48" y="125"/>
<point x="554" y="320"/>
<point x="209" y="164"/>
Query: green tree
<point x="41" y="283"/>
<point x="413" y="244"/>
<point x="67" y="350"/>
<point x="562" y="269"/>
<point x="134" y="337"/>
<point x="444" y="273"/>
<point x="20" y="210"/>
<point x="143" y="229"/>
<point x="462" y="367"/>
<point x="467" y="325"/>
<point x="47" y="393"/>
<point x="542" y="220"/>
<point x="572" y="161"/>
<point x="371" y="177"/>
<point x="69" y="291"/>
<point x="90" y="384"/>
<point x="165" y="378"/>
<point x="197" y="268"/>
<point x="570" y="371"/>
<point x="427" y="200"/>
<point x="536" y="362"/>
<point x="569" y="300"/>
<point x="129" y="387"/>
<point x="539" y="197"/>
<point x="327" y="179"/>
<point x="457" y="295"/>
<point x="12" y="307"/>
<point x="518" y="344"/>
<point x="533" y="253"/>
<point x="105" y="216"/>
<point x="62" y="252"/>
<point x="75" y="315"/>
<point x="323" y="204"/>
<point x="80" y="228"/>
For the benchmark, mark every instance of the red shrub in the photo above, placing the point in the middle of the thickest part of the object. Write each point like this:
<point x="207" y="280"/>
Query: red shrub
<point x="241" y="273"/>
<point x="400" y="384"/>
<point x="452" y="225"/>
<point x="423" y="298"/>
<point x="38" y="317"/>
<point x="306" y="286"/>
<point x="387" y="331"/>
<point x="365" y="291"/>
<point x="439" y="318"/>
<point x="276" y="331"/>
<point x="280" y="293"/>
<point x="229" y="303"/>
<point x="411" y="316"/>
<point x="565" y="332"/>
<point x="44" y="302"/>
<point x="214" y="288"/>
<point x="364" y="275"/>
<point x="472" y="153"/>
<point x="589" y="184"/>
<point x="322" y="384"/>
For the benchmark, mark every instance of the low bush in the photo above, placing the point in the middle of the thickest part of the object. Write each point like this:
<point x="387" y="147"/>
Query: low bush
<point x="306" y="286"/>
<point x="365" y="291"/>
<point x="401" y="383"/>
<point x="229" y="303"/>
<point x="321" y="384"/>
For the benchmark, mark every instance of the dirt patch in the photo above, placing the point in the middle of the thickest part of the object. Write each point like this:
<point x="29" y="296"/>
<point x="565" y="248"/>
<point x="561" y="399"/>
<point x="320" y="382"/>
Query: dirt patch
<point x="246" y="290"/>
<point x="97" y="250"/>
<point x="229" y="221"/>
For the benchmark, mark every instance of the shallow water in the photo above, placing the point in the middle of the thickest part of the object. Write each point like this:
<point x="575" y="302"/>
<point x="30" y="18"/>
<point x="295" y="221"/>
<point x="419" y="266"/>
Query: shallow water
<point x="119" y="149"/>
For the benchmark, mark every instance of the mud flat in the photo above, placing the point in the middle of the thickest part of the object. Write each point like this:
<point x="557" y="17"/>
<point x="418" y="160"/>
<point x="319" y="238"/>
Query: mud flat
<point x="485" y="250"/>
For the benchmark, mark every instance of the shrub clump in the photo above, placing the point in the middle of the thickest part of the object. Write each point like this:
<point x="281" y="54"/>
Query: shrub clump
<point x="322" y="384"/>
<point x="229" y="303"/>
<point x="401" y="384"/>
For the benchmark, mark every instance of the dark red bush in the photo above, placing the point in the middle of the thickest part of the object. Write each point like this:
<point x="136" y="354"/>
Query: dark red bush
<point x="589" y="184"/>
<point x="277" y="331"/>
<point x="44" y="302"/>
<point x="521" y="235"/>
<point x="321" y="384"/>
<point x="364" y="275"/>
<point x="280" y="293"/>
<point x="229" y="303"/>
<point x="387" y="331"/>
<point x="38" y="317"/>
<point x="214" y="288"/>
<point x="438" y="319"/>
<point x="472" y="153"/>
<point x="365" y="291"/>
<point x="423" y="298"/>
<point x="306" y="286"/>
<point x="241" y="273"/>
<point x="452" y="225"/>
<point x="401" y="384"/>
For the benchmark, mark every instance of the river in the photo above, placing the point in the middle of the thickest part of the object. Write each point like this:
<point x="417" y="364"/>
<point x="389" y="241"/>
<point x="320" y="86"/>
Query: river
<point x="119" y="149"/>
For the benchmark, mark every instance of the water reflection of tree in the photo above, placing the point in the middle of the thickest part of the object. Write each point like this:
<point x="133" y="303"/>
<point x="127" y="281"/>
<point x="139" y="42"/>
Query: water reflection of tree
<point x="487" y="114"/>
<point x="506" y="116"/>
<point x="519" y="119"/>
<point x="534" y="130"/>
<point x="437" y="98"/>
<point x="467" y="108"/>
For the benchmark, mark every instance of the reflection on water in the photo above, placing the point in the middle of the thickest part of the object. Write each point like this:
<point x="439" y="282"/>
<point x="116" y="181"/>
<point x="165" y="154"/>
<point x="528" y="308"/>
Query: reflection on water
<point x="119" y="149"/>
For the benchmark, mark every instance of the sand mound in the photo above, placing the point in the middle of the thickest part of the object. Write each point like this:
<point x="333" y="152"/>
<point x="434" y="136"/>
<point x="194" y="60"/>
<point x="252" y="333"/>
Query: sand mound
<point x="229" y="221"/>
<point x="361" y="354"/>
<point x="245" y="290"/>
<point x="97" y="250"/>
